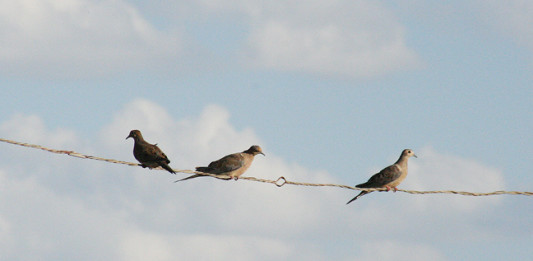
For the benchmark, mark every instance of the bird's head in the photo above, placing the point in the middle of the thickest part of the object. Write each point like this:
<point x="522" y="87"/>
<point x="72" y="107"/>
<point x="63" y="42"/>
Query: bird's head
<point x="254" y="150"/>
<point x="408" y="153"/>
<point x="135" y="134"/>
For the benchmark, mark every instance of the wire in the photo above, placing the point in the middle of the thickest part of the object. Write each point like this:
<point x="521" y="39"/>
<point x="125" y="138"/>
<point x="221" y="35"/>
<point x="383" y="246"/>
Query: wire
<point x="281" y="181"/>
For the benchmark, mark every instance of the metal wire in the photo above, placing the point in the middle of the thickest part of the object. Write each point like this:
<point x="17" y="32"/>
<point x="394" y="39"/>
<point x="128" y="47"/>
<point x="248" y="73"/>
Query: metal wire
<point x="280" y="182"/>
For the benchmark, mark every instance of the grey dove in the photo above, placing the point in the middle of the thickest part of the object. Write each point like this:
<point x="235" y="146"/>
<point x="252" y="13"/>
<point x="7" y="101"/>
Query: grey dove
<point x="389" y="177"/>
<point x="149" y="155"/>
<point x="233" y="165"/>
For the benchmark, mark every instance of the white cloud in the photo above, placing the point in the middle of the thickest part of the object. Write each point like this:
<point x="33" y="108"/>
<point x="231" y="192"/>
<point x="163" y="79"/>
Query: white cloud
<point x="81" y="38"/>
<point x="143" y="245"/>
<point x="77" y="38"/>
<point x="62" y="207"/>
<point x="44" y="224"/>
<point x="435" y="171"/>
<point x="32" y="129"/>
<point x="348" y="38"/>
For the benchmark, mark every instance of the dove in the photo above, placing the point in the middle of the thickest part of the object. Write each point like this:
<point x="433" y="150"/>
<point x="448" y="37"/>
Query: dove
<point x="233" y="165"/>
<point x="389" y="177"/>
<point x="149" y="155"/>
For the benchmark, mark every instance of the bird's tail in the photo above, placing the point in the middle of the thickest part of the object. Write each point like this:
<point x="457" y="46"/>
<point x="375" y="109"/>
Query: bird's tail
<point x="167" y="167"/>
<point x="364" y="185"/>
<point x="189" y="177"/>
<point x="356" y="197"/>
<point x="203" y="169"/>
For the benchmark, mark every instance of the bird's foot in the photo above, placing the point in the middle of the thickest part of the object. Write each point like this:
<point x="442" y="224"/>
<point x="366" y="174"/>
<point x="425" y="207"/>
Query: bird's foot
<point x="388" y="188"/>
<point x="235" y="178"/>
<point x="394" y="189"/>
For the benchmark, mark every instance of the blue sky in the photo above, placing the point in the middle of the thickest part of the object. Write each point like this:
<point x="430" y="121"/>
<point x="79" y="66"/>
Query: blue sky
<point x="332" y="91"/>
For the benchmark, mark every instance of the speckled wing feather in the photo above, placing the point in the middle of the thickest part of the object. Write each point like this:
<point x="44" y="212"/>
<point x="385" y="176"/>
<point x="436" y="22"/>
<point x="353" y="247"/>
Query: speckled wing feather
<point x="150" y="153"/>
<point x="158" y="154"/>
<point x="226" y="164"/>
<point x="384" y="177"/>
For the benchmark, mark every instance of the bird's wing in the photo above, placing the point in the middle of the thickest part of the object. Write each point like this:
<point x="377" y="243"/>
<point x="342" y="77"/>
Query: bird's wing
<point x="384" y="177"/>
<point x="226" y="164"/>
<point x="153" y="153"/>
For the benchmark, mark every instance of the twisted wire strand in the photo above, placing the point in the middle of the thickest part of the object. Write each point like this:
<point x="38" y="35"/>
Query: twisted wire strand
<point x="281" y="181"/>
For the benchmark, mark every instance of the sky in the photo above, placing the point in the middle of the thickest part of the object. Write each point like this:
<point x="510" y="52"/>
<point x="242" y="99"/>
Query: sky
<point x="332" y="91"/>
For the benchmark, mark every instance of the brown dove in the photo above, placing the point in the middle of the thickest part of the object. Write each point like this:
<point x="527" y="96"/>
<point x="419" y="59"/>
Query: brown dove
<point x="389" y="177"/>
<point x="233" y="165"/>
<point x="149" y="155"/>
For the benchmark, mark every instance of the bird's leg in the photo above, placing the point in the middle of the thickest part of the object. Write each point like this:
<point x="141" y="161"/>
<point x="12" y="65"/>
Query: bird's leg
<point x="388" y="188"/>
<point x="394" y="189"/>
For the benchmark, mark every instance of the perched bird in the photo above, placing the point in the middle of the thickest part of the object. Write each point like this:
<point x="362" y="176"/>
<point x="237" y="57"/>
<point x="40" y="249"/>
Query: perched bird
<point x="389" y="177"/>
<point x="149" y="155"/>
<point x="233" y="165"/>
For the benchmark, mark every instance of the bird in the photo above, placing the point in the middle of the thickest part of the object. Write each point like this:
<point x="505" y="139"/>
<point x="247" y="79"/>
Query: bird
<point x="233" y="165"/>
<point x="149" y="155"/>
<point x="389" y="177"/>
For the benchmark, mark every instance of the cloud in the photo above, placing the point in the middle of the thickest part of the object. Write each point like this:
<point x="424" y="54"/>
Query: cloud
<point x="346" y="38"/>
<point x="71" y="39"/>
<point x="78" y="38"/>
<point x="335" y="38"/>
<point x="142" y="245"/>
<point x="436" y="171"/>
<point x="51" y="225"/>
<point x="32" y="129"/>
<point x="198" y="141"/>
<point x="66" y="208"/>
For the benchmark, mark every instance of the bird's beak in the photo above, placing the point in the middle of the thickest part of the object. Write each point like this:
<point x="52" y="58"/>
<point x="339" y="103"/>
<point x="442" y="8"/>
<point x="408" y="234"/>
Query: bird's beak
<point x="414" y="155"/>
<point x="129" y="136"/>
<point x="262" y="153"/>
